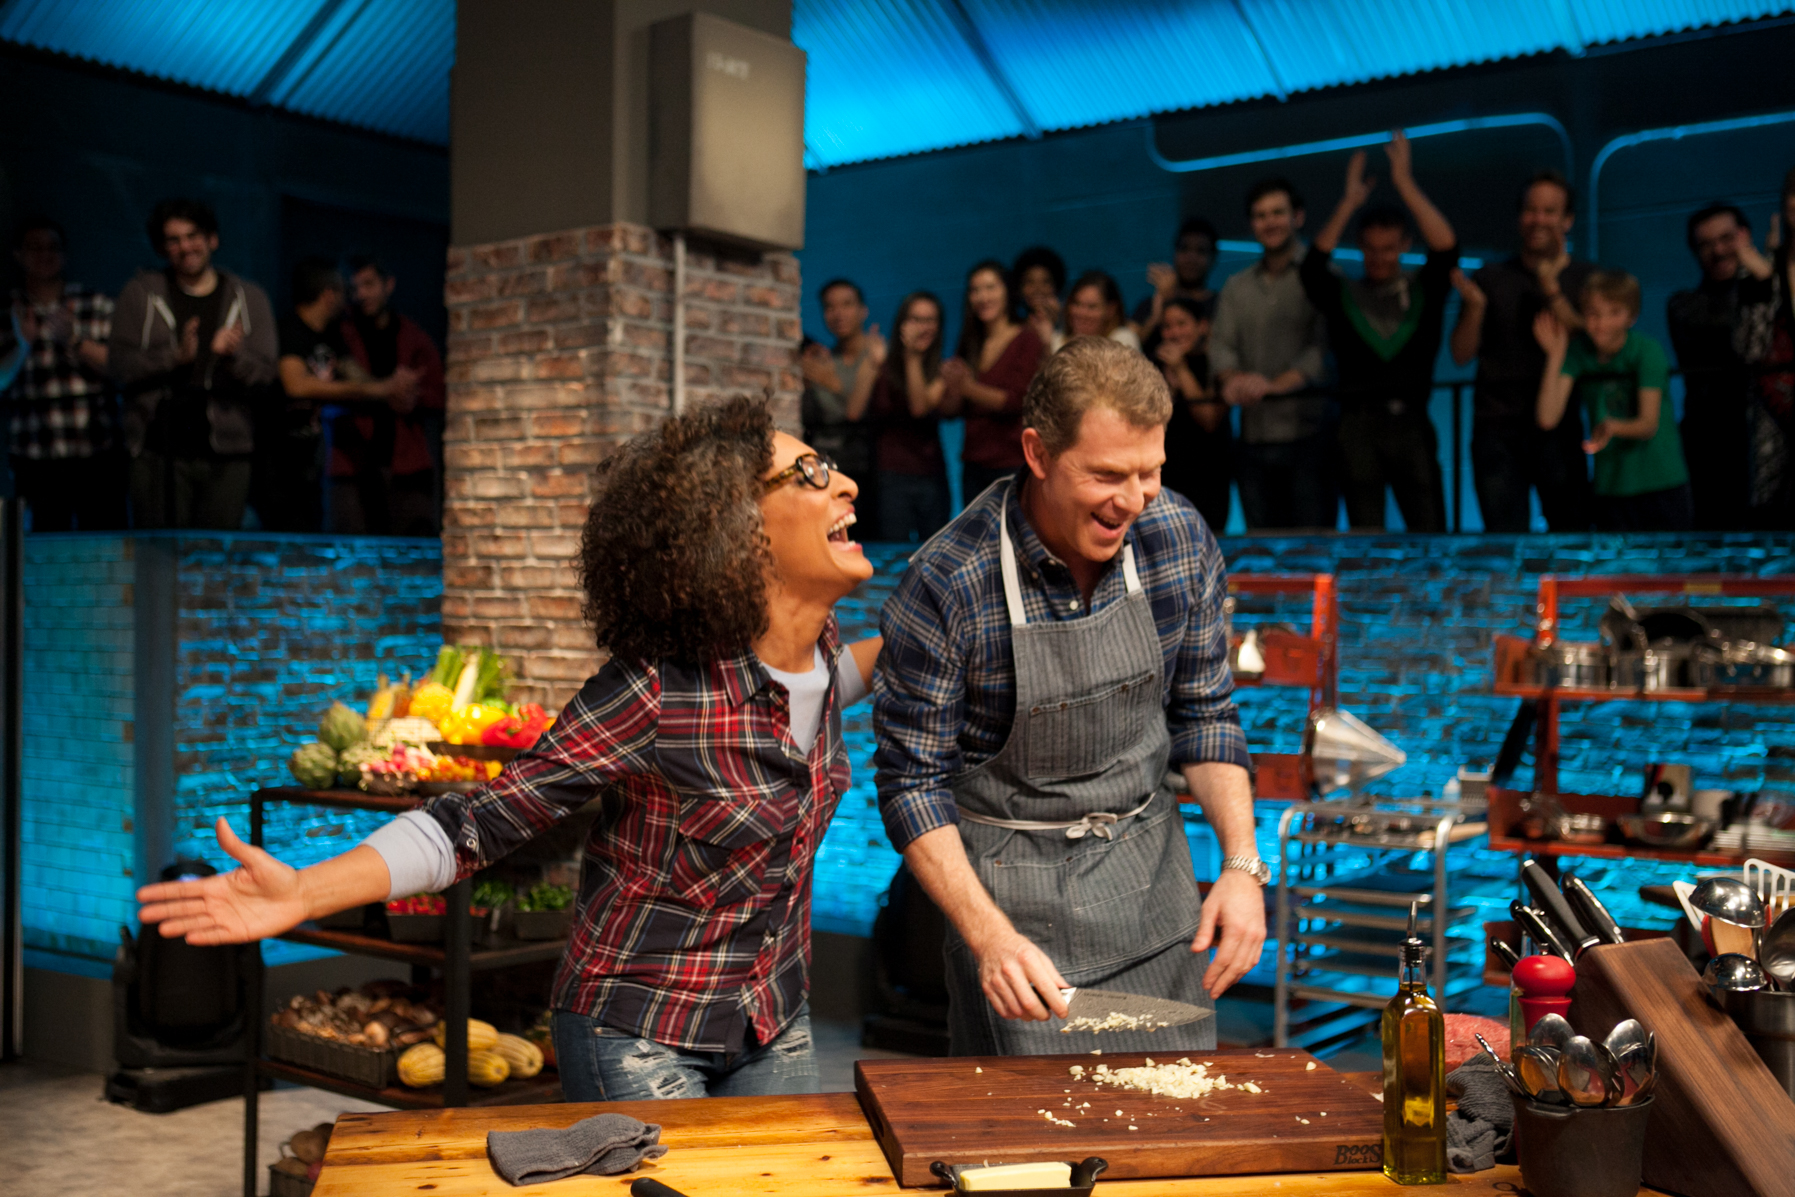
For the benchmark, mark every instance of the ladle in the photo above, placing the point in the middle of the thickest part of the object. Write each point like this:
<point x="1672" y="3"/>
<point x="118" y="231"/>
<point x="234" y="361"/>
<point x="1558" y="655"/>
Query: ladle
<point x="1730" y="903"/>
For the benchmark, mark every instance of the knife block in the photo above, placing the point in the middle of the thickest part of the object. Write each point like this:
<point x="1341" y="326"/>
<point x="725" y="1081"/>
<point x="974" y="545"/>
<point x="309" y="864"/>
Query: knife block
<point x="1721" y="1125"/>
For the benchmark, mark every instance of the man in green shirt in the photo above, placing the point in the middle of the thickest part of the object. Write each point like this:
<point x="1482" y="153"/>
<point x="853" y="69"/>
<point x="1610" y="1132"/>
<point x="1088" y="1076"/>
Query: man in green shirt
<point x="1620" y="376"/>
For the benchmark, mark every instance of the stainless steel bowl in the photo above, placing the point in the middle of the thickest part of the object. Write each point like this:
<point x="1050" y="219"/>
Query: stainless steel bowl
<point x="1665" y="829"/>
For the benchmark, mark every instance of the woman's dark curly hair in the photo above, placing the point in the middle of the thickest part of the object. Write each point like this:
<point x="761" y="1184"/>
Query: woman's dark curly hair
<point x="674" y="555"/>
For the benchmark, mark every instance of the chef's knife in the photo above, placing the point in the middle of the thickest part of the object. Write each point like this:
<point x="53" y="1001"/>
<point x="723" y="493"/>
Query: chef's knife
<point x="1595" y="916"/>
<point x="1094" y="1009"/>
<point x="1535" y="924"/>
<point x="1550" y="900"/>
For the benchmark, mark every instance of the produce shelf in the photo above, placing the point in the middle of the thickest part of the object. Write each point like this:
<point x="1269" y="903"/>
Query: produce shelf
<point x="545" y="1087"/>
<point x="507" y="953"/>
<point x="454" y="959"/>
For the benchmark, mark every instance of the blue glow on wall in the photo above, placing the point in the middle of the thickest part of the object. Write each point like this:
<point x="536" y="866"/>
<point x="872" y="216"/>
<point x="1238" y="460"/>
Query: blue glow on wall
<point x="274" y="629"/>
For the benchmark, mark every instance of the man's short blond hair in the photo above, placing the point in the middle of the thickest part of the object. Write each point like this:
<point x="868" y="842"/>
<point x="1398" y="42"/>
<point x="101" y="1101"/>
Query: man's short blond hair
<point x="1094" y="372"/>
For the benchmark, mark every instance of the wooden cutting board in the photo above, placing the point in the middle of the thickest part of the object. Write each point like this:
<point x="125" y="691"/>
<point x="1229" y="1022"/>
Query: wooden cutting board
<point x="979" y="1110"/>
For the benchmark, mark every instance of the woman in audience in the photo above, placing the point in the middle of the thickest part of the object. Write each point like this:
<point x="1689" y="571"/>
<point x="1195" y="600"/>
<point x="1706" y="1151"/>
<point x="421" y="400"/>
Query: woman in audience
<point x="987" y="377"/>
<point x="1040" y="276"/>
<point x="1094" y="309"/>
<point x="906" y="411"/>
<point x="1198" y="436"/>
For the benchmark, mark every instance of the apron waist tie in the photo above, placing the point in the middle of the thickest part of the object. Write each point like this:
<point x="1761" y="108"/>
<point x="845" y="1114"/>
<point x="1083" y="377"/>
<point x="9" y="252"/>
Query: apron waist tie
<point x="1098" y="823"/>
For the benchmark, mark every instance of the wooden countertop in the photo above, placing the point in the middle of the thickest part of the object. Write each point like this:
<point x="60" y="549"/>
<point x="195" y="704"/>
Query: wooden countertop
<point x="810" y="1146"/>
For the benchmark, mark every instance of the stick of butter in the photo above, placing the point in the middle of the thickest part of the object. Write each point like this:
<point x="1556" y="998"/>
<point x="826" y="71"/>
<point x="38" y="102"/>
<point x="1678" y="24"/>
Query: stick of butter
<point x="1044" y="1175"/>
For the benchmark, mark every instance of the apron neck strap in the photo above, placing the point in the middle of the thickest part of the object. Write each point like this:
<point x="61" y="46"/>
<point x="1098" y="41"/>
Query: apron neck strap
<point x="1012" y="582"/>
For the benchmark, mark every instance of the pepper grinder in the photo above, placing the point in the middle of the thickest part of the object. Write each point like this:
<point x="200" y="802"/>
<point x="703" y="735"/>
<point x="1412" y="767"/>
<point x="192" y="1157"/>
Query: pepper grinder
<point x="1545" y="984"/>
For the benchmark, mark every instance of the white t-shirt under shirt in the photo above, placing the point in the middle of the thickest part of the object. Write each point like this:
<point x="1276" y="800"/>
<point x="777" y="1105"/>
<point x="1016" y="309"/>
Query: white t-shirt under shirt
<point x="420" y="859"/>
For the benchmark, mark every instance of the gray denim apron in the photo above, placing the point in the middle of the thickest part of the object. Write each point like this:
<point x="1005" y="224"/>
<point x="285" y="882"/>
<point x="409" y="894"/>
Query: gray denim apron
<point x="1058" y="830"/>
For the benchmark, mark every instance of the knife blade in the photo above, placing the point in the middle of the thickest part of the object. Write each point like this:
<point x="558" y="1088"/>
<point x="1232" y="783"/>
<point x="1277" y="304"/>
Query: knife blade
<point x="1549" y="899"/>
<point x="1097" y="1010"/>
<point x="1590" y="910"/>
<point x="1535" y="924"/>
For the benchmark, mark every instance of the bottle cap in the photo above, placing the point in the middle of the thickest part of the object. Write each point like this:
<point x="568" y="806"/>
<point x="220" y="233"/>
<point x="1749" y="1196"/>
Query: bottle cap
<point x="1413" y="950"/>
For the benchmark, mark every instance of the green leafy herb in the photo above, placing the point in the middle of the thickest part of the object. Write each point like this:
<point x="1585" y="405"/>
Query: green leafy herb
<point x="547" y="897"/>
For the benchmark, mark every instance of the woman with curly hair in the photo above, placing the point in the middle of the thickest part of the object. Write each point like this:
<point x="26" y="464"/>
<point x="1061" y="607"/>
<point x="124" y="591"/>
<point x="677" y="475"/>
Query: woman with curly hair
<point x="713" y="556"/>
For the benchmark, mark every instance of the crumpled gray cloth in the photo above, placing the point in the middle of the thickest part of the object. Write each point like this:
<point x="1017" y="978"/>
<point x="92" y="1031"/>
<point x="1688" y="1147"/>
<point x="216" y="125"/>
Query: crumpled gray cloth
<point x="1481" y="1128"/>
<point x="602" y="1145"/>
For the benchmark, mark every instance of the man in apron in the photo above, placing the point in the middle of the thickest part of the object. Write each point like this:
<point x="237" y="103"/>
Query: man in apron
<point x="1047" y="656"/>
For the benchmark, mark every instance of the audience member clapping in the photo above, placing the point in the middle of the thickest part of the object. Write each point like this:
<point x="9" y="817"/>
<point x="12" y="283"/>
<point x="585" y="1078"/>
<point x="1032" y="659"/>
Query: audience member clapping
<point x="905" y="410"/>
<point x="1094" y="309"/>
<point x="1765" y="338"/>
<point x="1198" y="437"/>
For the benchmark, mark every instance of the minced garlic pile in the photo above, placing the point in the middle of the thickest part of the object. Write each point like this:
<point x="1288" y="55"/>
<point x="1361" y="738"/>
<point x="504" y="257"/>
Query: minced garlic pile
<point x="1111" y="1022"/>
<point x="1182" y="1079"/>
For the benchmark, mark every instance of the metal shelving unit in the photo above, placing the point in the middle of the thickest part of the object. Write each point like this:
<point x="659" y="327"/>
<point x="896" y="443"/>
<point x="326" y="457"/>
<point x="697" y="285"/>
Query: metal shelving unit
<point x="456" y="960"/>
<point x="1310" y="662"/>
<point x="1343" y="894"/>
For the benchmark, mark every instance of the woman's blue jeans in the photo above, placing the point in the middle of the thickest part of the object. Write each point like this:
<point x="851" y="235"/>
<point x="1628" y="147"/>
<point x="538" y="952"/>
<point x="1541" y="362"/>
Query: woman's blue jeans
<point x="598" y="1063"/>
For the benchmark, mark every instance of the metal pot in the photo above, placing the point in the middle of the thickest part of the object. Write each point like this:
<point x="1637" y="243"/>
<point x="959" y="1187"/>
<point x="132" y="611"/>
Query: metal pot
<point x="1746" y="665"/>
<point x="1661" y="666"/>
<point x="1584" y="666"/>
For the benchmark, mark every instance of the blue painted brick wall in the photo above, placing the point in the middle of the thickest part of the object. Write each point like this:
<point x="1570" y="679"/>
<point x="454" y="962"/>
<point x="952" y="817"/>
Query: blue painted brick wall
<point x="78" y="847"/>
<point x="274" y="628"/>
<point x="271" y="631"/>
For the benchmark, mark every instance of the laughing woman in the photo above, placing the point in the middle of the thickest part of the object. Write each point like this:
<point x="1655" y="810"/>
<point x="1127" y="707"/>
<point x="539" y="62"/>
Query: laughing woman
<point x="714" y="554"/>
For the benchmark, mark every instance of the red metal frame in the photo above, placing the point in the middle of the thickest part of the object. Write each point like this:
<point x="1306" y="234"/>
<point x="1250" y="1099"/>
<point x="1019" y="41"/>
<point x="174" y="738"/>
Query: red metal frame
<point x="1310" y="661"/>
<point x="1553" y="588"/>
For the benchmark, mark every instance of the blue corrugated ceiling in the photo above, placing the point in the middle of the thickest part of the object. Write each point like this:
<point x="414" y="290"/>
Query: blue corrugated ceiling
<point x="887" y="77"/>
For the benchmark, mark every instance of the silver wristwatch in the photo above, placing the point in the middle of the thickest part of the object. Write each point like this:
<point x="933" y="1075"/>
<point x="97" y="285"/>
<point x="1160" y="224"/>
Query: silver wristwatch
<point x="1259" y="870"/>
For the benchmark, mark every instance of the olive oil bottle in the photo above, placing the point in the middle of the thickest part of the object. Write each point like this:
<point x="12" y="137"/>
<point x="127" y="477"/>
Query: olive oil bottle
<point x="1414" y="1035"/>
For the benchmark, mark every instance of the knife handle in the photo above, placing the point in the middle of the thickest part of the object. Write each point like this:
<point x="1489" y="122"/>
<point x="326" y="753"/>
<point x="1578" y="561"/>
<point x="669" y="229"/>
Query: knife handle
<point x="649" y="1187"/>
<point x="1550" y="901"/>
<point x="1506" y="952"/>
<point x="1595" y="916"/>
<point x="1535" y="925"/>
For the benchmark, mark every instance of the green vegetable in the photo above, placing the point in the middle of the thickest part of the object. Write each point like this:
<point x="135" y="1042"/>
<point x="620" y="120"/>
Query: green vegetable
<point x="314" y="765"/>
<point x="546" y="897"/>
<point x="490" y="894"/>
<point x="494" y="679"/>
<point x="448" y="666"/>
<point x="342" y="727"/>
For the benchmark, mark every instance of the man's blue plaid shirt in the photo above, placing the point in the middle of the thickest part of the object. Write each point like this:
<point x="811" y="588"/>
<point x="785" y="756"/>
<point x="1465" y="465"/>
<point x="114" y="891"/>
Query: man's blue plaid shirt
<point x="945" y="690"/>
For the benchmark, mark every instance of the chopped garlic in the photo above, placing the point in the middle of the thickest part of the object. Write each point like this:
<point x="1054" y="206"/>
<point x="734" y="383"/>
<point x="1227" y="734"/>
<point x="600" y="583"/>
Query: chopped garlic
<point x="1309" y="1067"/>
<point x="981" y="1069"/>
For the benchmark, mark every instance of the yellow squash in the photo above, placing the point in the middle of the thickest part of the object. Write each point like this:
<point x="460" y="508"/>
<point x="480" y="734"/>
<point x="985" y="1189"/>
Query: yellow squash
<point x="524" y="1057"/>
<point x="487" y="1069"/>
<point x="480" y="1035"/>
<point x="421" y="1065"/>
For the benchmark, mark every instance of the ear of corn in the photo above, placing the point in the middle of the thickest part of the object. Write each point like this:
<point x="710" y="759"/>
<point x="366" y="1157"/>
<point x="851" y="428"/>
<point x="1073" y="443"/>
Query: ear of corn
<point x="487" y="1068"/>
<point x="524" y="1057"/>
<point x="421" y="1065"/>
<point x="480" y="1035"/>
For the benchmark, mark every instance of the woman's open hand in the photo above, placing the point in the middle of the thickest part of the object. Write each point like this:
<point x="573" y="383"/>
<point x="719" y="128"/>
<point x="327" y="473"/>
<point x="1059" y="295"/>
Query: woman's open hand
<point x="259" y="899"/>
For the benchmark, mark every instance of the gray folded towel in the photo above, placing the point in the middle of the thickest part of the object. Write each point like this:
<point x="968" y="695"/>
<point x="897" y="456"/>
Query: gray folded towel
<point x="602" y="1145"/>
<point x="1483" y="1125"/>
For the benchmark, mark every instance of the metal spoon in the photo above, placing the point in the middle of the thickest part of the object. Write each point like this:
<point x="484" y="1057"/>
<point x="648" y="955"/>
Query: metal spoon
<point x="1632" y="1070"/>
<point x="1553" y="1031"/>
<point x="1503" y="1067"/>
<point x="1778" y="953"/>
<point x="1538" y="1071"/>
<point x="1586" y="1072"/>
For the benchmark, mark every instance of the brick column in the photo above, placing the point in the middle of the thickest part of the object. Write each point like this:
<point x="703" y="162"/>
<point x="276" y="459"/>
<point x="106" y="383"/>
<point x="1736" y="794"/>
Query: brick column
<point x="559" y="349"/>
